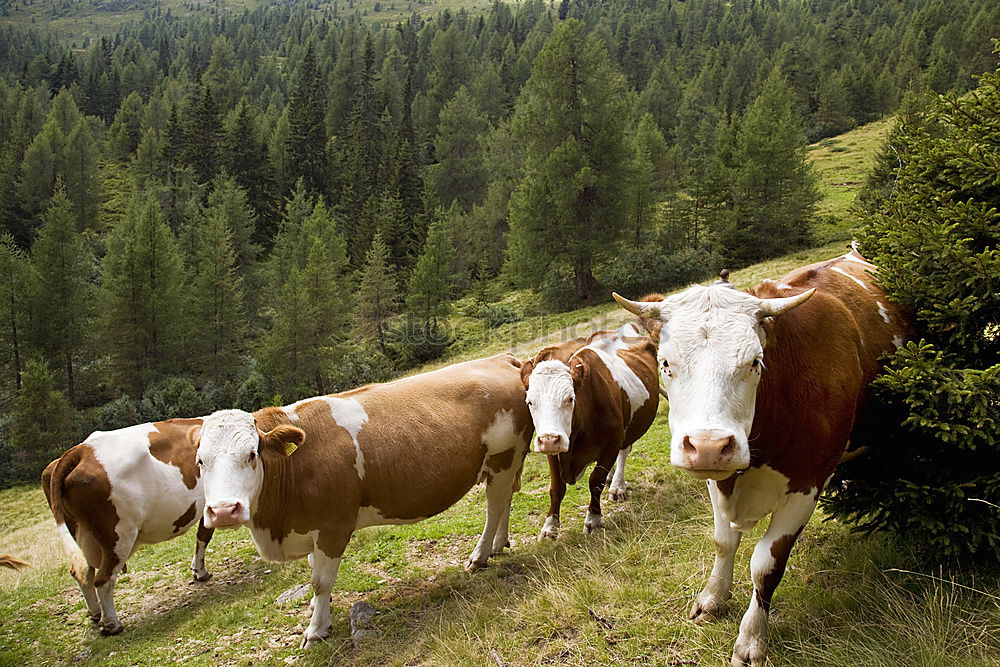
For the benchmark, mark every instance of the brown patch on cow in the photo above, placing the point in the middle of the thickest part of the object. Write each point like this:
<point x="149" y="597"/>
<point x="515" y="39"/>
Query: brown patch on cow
<point x="726" y="486"/>
<point x="169" y="443"/>
<point x="80" y="495"/>
<point x="780" y="551"/>
<point x="184" y="520"/>
<point x="422" y="449"/>
<point x="501" y="460"/>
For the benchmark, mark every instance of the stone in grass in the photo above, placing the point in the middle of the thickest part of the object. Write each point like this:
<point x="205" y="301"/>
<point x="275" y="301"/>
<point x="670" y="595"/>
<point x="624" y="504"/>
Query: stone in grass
<point x="361" y="615"/>
<point x="292" y="594"/>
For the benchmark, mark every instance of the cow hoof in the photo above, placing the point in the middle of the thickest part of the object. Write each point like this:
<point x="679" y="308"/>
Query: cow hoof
<point x="310" y="639"/>
<point x="748" y="652"/>
<point x="706" y="609"/>
<point x="548" y="533"/>
<point x="474" y="565"/>
<point x="618" y="494"/>
<point x="592" y="524"/>
<point x="202" y="576"/>
<point x="108" y="629"/>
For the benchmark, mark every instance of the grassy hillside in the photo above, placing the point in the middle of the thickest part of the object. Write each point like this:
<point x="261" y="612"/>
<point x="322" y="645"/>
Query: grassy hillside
<point x="617" y="597"/>
<point x="840" y="164"/>
<point x="74" y="21"/>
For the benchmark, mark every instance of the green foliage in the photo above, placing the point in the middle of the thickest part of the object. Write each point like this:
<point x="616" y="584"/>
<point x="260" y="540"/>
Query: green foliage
<point x="570" y="203"/>
<point x="430" y="288"/>
<point x="650" y="269"/>
<point x="42" y="423"/>
<point x="935" y="238"/>
<point x="377" y="295"/>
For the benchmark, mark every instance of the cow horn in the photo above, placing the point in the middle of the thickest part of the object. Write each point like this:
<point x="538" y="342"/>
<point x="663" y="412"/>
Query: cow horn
<point x="775" y="307"/>
<point x="640" y="308"/>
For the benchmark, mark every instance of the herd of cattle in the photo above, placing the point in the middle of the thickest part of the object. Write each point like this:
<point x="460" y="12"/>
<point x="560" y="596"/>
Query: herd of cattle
<point x="766" y="392"/>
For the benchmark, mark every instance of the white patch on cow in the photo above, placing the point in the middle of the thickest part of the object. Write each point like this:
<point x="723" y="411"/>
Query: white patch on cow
<point x="148" y="494"/>
<point x="624" y="376"/>
<point x="550" y="530"/>
<point x="850" y="257"/>
<point x="292" y="409"/>
<point x="759" y="492"/>
<point x="293" y="546"/>
<point x="501" y="434"/>
<point x="550" y="391"/>
<point x="845" y="273"/>
<point x="898" y="341"/>
<point x="372" y="516"/>
<point x="784" y="286"/>
<point x="351" y="416"/>
<point x="884" y="312"/>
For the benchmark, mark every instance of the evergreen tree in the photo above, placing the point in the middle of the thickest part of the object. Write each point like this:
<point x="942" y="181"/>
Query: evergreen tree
<point x="569" y="119"/>
<point x="14" y="308"/>
<point x="246" y="159"/>
<point x="202" y="135"/>
<point x="81" y="177"/>
<point x="773" y="191"/>
<point x="60" y="293"/>
<point x="934" y="236"/>
<point x="219" y="331"/>
<point x="310" y="308"/>
<point x="43" y="423"/>
<point x="377" y="294"/>
<point x="143" y="297"/>
<point x="430" y="289"/>
<point x="306" y="140"/>
<point x="460" y="174"/>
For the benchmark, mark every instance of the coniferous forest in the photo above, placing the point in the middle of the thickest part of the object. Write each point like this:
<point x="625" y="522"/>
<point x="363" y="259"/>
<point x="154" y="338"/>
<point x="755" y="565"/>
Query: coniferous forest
<point x="254" y="207"/>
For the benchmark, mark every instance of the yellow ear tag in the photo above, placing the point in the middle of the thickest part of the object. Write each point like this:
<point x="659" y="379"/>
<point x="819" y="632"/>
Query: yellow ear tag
<point x="290" y="448"/>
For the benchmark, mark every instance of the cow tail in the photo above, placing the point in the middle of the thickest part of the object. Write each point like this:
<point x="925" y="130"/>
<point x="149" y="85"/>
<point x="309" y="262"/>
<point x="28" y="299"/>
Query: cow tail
<point x="12" y="563"/>
<point x="66" y="464"/>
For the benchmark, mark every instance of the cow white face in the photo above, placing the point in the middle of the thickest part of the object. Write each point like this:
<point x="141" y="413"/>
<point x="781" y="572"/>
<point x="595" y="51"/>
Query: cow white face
<point x="711" y="357"/>
<point x="551" y="398"/>
<point x="229" y="456"/>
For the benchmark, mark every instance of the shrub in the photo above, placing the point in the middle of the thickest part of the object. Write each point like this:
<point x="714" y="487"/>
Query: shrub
<point x="936" y="239"/>
<point x="648" y="269"/>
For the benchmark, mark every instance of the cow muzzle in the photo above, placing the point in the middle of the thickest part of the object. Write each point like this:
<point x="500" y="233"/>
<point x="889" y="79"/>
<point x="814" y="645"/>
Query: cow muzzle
<point x="709" y="453"/>
<point x="551" y="443"/>
<point x="224" y="515"/>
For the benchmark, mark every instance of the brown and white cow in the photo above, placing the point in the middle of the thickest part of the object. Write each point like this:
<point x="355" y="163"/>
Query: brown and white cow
<point x="306" y="476"/>
<point x="765" y="391"/>
<point x="117" y="490"/>
<point x="590" y="399"/>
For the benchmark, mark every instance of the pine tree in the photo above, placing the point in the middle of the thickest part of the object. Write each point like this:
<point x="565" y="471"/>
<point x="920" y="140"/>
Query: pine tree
<point x="143" y="297"/>
<point x="43" y="423"/>
<point x="773" y="191"/>
<point x="81" y="175"/>
<point x="306" y="140"/>
<point x="14" y="308"/>
<point x="460" y="174"/>
<point x="310" y="306"/>
<point x="430" y="288"/>
<point x="245" y="158"/>
<point x="569" y="119"/>
<point x="202" y="135"/>
<point x="218" y="335"/>
<point x="377" y="296"/>
<point x="60" y="292"/>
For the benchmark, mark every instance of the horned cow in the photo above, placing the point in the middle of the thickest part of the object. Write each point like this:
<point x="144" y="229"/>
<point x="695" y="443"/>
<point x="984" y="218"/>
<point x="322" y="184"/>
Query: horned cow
<point x="766" y="389"/>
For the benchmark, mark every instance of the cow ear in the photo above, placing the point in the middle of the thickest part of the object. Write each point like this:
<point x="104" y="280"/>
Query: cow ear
<point x="283" y="439"/>
<point x="194" y="435"/>
<point x="526" y="368"/>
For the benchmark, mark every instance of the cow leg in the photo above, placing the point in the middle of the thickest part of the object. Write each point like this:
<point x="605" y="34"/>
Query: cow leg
<point x="557" y="490"/>
<point x="598" y="478"/>
<point x="80" y="564"/>
<point x="499" y="492"/>
<point x="766" y="568"/>
<point x="619" y="487"/>
<point x="502" y="538"/>
<point x="112" y="562"/>
<point x="324" y="574"/>
<point x="86" y="581"/>
<point x="198" y="562"/>
<point x="711" y="602"/>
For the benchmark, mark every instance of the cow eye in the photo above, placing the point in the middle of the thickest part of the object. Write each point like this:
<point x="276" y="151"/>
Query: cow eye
<point x="529" y="403"/>
<point x="755" y="363"/>
<point x="253" y="455"/>
<point x="201" y="463"/>
<point x="570" y="400"/>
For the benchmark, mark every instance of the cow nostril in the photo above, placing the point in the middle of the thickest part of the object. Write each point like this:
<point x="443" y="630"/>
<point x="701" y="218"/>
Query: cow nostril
<point x="688" y="447"/>
<point x="729" y="446"/>
<point x="235" y="511"/>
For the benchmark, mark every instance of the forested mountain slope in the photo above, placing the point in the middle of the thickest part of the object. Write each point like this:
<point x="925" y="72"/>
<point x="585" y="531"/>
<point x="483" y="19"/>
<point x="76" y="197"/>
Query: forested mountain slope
<point x="207" y="211"/>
